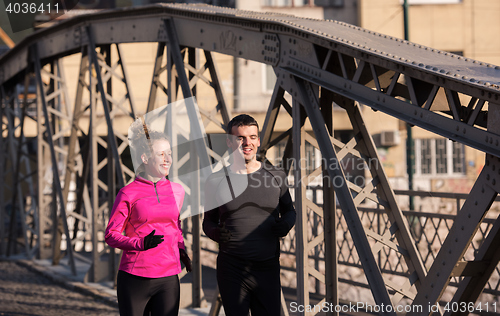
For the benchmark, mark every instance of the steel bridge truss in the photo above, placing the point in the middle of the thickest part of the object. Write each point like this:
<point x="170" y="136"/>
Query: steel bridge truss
<point x="320" y="66"/>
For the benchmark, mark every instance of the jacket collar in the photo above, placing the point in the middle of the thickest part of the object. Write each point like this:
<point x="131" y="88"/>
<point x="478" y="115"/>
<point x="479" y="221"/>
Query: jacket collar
<point x="144" y="180"/>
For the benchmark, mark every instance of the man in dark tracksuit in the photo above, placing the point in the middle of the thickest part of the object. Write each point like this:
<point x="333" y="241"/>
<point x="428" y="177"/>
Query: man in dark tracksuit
<point x="250" y="208"/>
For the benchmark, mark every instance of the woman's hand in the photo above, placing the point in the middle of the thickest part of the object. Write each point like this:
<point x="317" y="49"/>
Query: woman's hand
<point x="152" y="240"/>
<point x="185" y="259"/>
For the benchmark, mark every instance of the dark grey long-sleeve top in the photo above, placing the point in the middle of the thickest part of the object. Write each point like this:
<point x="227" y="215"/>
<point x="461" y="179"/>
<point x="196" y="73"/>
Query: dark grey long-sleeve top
<point x="248" y="205"/>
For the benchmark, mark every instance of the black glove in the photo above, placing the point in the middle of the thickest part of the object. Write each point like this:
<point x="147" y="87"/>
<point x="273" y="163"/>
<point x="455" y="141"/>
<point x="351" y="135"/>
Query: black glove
<point x="280" y="228"/>
<point x="185" y="259"/>
<point x="223" y="234"/>
<point x="152" y="240"/>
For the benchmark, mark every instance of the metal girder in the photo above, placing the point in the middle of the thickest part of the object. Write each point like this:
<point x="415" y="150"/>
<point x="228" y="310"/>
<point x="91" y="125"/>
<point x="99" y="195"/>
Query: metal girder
<point x="267" y="140"/>
<point x="378" y="190"/>
<point x="185" y="87"/>
<point x="76" y="164"/>
<point x="16" y="167"/>
<point x="43" y="109"/>
<point x="111" y="108"/>
<point x="112" y="141"/>
<point x="301" y="236"/>
<point x="474" y="282"/>
<point x="296" y="138"/>
<point x="329" y="210"/>
<point x="305" y="96"/>
<point x="443" y="93"/>
<point x="383" y="88"/>
<point x="322" y="52"/>
<point x="187" y="76"/>
<point x="458" y="240"/>
<point x="3" y="165"/>
<point x="23" y="202"/>
<point x="156" y="83"/>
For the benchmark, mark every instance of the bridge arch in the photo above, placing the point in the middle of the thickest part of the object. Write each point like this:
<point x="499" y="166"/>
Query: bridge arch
<point x="318" y="63"/>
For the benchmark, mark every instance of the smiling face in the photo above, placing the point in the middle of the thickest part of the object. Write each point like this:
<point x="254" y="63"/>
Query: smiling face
<point x="158" y="164"/>
<point x="245" y="139"/>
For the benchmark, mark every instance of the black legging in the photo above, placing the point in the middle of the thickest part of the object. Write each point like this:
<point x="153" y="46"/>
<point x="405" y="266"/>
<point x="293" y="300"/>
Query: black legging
<point x="138" y="296"/>
<point x="244" y="286"/>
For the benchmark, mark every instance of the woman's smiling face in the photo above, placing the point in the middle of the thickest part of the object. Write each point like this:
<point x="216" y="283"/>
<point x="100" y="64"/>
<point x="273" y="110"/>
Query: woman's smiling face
<point x="158" y="163"/>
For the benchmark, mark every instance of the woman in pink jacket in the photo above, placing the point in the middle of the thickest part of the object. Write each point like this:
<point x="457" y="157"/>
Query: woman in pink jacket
<point x="144" y="223"/>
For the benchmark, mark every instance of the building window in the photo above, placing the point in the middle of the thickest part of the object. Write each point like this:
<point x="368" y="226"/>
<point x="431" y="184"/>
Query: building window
<point x="287" y="3"/>
<point x="425" y="156"/>
<point x="441" y="156"/>
<point x="311" y="155"/>
<point x="438" y="157"/>
<point x="417" y="2"/>
<point x="269" y="79"/>
<point x="458" y="158"/>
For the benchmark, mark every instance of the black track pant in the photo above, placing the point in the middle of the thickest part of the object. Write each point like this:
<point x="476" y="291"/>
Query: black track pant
<point x="245" y="286"/>
<point x="138" y="296"/>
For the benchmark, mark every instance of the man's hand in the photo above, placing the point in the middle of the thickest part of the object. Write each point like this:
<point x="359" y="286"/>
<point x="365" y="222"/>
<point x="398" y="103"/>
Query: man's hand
<point x="223" y="234"/>
<point x="280" y="228"/>
<point x="185" y="260"/>
<point x="152" y="240"/>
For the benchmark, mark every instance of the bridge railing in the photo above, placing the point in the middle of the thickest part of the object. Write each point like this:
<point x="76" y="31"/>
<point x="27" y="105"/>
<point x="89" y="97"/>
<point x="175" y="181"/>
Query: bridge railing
<point x="428" y="227"/>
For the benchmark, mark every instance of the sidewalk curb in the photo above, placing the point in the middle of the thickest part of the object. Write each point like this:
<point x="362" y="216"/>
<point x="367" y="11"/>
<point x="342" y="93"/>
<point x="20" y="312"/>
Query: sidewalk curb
<point x="70" y="285"/>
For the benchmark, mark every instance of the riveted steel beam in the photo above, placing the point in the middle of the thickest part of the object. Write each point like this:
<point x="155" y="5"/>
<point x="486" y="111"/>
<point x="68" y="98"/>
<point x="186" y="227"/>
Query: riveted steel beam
<point x="458" y="239"/>
<point x="465" y="226"/>
<point x="42" y="107"/>
<point x="23" y="201"/>
<point x="3" y="164"/>
<point x="329" y="207"/>
<point x="187" y="76"/>
<point x="310" y="48"/>
<point x="487" y="259"/>
<point x="301" y="235"/>
<point x="308" y="99"/>
<point x="110" y="108"/>
<point x="449" y="95"/>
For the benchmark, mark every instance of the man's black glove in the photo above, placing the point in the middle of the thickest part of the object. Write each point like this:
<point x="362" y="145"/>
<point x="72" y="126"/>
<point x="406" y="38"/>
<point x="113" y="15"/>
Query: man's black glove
<point x="280" y="228"/>
<point x="152" y="240"/>
<point x="223" y="234"/>
<point x="185" y="259"/>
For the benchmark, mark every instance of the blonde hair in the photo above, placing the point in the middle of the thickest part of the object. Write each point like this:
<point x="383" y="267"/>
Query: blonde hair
<point x="141" y="138"/>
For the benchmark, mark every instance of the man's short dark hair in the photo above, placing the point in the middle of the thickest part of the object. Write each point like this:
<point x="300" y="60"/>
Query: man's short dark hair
<point x="241" y="120"/>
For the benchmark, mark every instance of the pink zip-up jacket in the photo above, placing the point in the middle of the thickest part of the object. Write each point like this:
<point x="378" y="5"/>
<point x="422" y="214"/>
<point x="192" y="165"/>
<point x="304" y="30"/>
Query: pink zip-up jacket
<point x="140" y="207"/>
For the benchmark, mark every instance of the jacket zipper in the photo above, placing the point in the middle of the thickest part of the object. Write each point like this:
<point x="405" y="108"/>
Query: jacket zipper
<point x="156" y="191"/>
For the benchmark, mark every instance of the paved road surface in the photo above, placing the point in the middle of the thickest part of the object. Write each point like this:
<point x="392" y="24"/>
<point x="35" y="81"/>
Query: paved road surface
<point x="24" y="292"/>
<point x="29" y="289"/>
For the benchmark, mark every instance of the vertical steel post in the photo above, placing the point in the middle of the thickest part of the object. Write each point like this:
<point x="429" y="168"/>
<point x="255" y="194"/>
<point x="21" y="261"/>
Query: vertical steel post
<point x="42" y="103"/>
<point x="195" y="199"/>
<point x="112" y="189"/>
<point x="93" y="165"/>
<point x="3" y="165"/>
<point x="409" y="131"/>
<point x="300" y="200"/>
<point x="16" y="149"/>
<point x="155" y="82"/>
<point x="329" y="211"/>
<point x="373" y="274"/>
